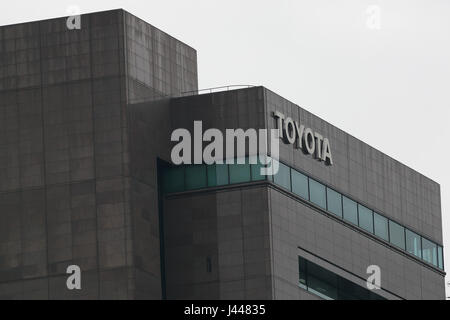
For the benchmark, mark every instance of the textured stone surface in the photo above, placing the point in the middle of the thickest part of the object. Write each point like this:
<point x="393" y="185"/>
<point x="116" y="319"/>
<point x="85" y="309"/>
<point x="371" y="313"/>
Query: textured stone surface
<point x="67" y="191"/>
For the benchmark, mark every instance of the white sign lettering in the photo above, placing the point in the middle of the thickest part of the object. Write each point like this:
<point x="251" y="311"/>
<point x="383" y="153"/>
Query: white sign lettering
<point x="304" y="138"/>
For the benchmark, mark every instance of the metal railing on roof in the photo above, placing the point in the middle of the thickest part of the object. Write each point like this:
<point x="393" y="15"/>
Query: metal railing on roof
<point x="216" y="89"/>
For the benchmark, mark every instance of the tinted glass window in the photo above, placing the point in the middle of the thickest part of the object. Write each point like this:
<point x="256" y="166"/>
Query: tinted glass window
<point x="283" y="177"/>
<point x="397" y="234"/>
<point x="351" y="291"/>
<point x="181" y="178"/>
<point x="195" y="177"/>
<point x="256" y="172"/>
<point x="365" y="218"/>
<point x="334" y="202"/>
<point x="317" y="193"/>
<point x="256" y="167"/>
<point x="299" y="184"/>
<point x="322" y="282"/>
<point x="381" y="226"/>
<point x="429" y="251"/>
<point x="302" y="272"/>
<point x="413" y="243"/>
<point x="350" y="210"/>
<point x="173" y="180"/>
<point x="329" y="285"/>
<point x="217" y="175"/>
<point x="440" y="258"/>
<point x="239" y="173"/>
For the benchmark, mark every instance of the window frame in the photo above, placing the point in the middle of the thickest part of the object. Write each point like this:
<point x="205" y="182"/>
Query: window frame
<point x="325" y="193"/>
<point x="436" y="247"/>
<point x="407" y="230"/>
<point x="293" y="172"/>
<point x="343" y="210"/>
<point x="341" y="216"/>
<point x="359" y="218"/>
<point x="387" y="227"/>
<point x="289" y="186"/>
<point x="403" y="237"/>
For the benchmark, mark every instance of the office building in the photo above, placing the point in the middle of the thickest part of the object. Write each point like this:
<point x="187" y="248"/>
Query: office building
<point x="86" y="179"/>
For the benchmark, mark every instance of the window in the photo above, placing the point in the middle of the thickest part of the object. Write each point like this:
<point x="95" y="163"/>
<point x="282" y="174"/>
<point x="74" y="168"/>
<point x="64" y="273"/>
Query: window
<point x="317" y="193"/>
<point x="270" y="167"/>
<point x="195" y="177"/>
<point x="351" y="291"/>
<point x="322" y="282"/>
<point x="413" y="243"/>
<point x="381" y="226"/>
<point x="365" y="218"/>
<point x="350" y="210"/>
<point x="173" y="179"/>
<point x="330" y="286"/>
<point x="302" y="273"/>
<point x="217" y="175"/>
<point x="334" y="202"/>
<point x="429" y="251"/>
<point x="440" y="258"/>
<point x="300" y="184"/>
<point x="239" y="173"/>
<point x="256" y="172"/>
<point x="283" y="176"/>
<point x="256" y="168"/>
<point x="397" y="234"/>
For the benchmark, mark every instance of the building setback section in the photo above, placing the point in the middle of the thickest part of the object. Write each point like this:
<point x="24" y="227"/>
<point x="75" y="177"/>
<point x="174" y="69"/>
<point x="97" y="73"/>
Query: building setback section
<point x="86" y="117"/>
<point x="252" y="232"/>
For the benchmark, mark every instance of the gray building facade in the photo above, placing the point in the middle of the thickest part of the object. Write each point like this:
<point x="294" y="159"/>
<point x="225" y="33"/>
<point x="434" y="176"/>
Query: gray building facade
<point x="86" y="179"/>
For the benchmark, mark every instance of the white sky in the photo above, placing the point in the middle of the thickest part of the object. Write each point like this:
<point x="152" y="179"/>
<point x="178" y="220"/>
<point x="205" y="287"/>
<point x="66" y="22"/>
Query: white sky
<point x="388" y="87"/>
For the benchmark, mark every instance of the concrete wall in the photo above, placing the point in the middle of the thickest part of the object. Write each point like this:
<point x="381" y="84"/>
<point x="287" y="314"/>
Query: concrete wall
<point x="63" y="151"/>
<point x="66" y="190"/>
<point x="231" y="228"/>
<point x="370" y="177"/>
<point x="158" y="66"/>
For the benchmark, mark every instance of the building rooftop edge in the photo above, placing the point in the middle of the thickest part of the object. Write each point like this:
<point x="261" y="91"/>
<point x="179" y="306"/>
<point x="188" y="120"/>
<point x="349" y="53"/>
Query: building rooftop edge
<point x="98" y="12"/>
<point x="349" y="134"/>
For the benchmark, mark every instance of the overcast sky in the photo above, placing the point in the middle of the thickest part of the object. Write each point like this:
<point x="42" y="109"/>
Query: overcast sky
<point x="379" y="70"/>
